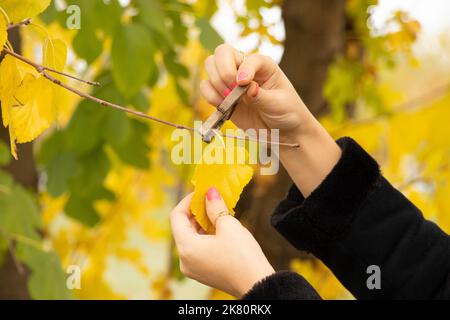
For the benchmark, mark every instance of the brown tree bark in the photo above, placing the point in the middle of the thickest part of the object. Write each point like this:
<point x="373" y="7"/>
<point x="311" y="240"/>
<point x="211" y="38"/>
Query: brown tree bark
<point x="13" y="283"/>
<point x="315" y="33"/>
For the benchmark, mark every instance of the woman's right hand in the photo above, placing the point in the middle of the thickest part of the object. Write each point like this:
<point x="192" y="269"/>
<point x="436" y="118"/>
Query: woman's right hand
<point x="271" y="101"/>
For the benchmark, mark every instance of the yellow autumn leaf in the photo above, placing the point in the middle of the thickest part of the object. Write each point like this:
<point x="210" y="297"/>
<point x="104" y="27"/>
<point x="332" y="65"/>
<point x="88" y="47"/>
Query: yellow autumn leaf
<point x="33" y="114"/>
<point x="19" y="10"/>
<point x="3" y="31"/>
<point x="229" y="177"/>
<point x="12" y="141"/>
<point x="10" y="79"/>
<point x="12" y="73"/>
<point x="54" y="54"/>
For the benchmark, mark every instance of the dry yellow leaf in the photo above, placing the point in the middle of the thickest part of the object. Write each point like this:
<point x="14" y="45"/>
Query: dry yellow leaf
<point x="33" y="113"/>
<point x="28" y="99"/>
<point x="10" y="79"/>
<point x="19" y="10"/>
<point x="54" y="54"/>
<point x="3" y="32"/>
<point x="229" y="177"/>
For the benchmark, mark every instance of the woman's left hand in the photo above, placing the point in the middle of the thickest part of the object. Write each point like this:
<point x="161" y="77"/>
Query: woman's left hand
<point x="230" y="260"/>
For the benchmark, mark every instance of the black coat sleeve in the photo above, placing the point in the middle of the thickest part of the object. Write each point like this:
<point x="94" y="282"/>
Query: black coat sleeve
<point x="282" y="285"/>
<point x="356" y="219"/>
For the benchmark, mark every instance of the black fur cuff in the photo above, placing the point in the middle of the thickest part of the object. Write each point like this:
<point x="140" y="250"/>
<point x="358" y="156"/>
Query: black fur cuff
<point x="283" y="285"/>
<point x="328" y="212"/>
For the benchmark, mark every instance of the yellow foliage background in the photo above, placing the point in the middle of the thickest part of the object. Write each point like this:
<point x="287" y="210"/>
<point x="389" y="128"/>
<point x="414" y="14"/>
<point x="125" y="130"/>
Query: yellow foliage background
<point x="130" y="254"/>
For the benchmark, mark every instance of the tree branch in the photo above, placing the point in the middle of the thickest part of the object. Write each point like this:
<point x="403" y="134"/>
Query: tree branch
<point x="22" y="23"/>
<point x="44" y="71"/>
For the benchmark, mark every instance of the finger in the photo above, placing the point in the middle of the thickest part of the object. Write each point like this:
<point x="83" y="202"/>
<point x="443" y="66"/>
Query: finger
<point x="227" y="60"/>
<point x="194" y="223"/>
<point x="210" y="94"/>
<point x="214" y="77"/>
<point x="257" y="68"/>
<point x="255" y="94"/>
<point x="182" y="228"/>
<point x="215" y="207"/>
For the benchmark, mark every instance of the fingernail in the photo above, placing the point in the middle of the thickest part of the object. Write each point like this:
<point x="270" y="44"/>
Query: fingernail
<point x="242" y="76"/>
<point x="226" y="92"/>
<point x="213" y="194"/>
<point x="234" y="85"/>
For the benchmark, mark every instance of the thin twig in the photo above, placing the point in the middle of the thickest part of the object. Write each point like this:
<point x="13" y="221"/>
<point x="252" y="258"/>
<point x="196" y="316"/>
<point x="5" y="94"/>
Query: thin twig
<point x="22" y="23"/>
<point x="91" y="83"/>
<point x="43" y="70"/>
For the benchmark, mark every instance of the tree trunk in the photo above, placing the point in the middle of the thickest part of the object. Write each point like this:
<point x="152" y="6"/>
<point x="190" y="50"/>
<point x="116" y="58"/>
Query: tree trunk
<point x="13" y="283"/>
<point x="315" y="32"/>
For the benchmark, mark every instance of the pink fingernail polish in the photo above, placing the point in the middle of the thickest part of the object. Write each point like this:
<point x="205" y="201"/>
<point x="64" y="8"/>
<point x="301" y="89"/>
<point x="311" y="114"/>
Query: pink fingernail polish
<point x="234" y="85"/>
<point x="226" y="92"/>
<point x="213" y="194"/>
<point x="242" y="76"/>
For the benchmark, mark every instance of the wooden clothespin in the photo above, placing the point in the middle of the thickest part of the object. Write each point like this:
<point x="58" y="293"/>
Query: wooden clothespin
<point x="224" y="111"/>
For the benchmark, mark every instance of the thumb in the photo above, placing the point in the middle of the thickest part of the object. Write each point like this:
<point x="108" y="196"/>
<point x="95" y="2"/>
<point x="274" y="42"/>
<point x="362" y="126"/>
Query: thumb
<point x="217" y="210"/>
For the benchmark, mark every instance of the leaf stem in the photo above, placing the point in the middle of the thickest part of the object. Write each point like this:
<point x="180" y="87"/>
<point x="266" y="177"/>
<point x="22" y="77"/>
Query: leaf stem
<point x="21" y="23"/>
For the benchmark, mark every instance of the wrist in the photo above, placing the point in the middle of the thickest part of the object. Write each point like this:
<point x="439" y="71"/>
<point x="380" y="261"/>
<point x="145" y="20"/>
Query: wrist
<point x="318" y="153"/>
<point x="306" y="126"/>
<point x="255" y="276"/>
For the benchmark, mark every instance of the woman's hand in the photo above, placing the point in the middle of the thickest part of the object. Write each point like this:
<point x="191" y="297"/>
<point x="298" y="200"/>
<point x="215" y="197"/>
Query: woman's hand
<point x="271" y="101"/>
<point x="230" y="260"/>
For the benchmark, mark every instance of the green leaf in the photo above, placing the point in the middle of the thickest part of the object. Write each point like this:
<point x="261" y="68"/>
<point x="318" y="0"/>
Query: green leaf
<point x="179" y="29"/>
<point x="3" y="249"/>
<point x="101" y="193"/>
<point x="87" y="186"/>
<point x="20" y="220"/>
<point x="47" y="279"/>
<point x="6" y="182"/>
<point x="134" y="150"/>
<point x="132" y="57"/>
<point x="87" y="46"/>
<point x="5" y="154"/>
<point x="83" y="134"/>
<point x="140" y="101"/>
<point x="94" y="168"/>
<point x="152" y="14"/>
<point x="174" y="67"/>
<point x="209" y="37"/>
<point x="82" y="209"/>
<point x="116" y="127"/>
<point x="19" y="213"/>
<point x="59" y="171"/>
<point x="107" y="15"/>
<point x="182" y="93"/>
<point x="86" y="43"/>
<point x="51" y="147"/>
